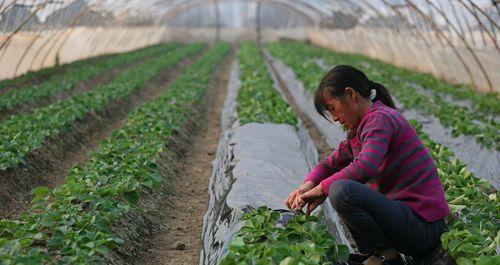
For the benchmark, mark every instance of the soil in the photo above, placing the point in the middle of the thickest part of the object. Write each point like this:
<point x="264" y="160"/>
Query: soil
<point x="49" y="165"/>
<point x="176" y="237"/>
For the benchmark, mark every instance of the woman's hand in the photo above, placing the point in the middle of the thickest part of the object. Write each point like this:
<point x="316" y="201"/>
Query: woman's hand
<point x="292" y="201"/>
<point x="312" y="198"/>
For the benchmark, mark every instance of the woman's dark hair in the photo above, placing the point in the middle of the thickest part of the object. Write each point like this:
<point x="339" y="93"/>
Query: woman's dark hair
<point x="342" y="76"/>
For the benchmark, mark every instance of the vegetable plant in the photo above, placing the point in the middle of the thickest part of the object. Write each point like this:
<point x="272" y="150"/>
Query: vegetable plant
<point x="258" y="100"/>
<point x="303" y="241"/>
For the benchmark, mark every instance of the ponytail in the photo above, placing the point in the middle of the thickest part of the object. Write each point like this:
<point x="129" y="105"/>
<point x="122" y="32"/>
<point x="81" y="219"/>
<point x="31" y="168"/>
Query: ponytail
<point x="382" y="94"/>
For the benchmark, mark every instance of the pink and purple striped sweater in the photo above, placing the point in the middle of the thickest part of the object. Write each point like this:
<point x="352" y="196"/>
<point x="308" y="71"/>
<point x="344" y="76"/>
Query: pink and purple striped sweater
<point x="387" y="153"/>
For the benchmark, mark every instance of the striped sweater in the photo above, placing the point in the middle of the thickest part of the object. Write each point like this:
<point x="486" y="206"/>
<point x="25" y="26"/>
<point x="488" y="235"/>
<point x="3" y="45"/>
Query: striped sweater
<point x="387" y="154"/>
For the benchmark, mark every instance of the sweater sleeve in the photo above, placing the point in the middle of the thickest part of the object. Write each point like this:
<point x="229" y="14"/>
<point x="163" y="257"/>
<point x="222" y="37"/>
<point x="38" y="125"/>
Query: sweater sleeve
<point x="338" y="160"/>
<point x="375" y="138"/>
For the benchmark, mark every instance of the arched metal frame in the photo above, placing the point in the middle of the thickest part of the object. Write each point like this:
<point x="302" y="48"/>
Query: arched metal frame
<point x="172" y="13"/>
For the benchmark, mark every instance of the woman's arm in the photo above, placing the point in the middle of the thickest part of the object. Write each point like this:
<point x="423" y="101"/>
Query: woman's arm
<point x="375" y="138"/>
<point x="334" y="163"/>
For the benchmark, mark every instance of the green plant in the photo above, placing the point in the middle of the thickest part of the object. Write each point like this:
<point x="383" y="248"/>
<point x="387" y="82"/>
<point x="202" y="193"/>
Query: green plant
<point x="258" y="100"/>
<point x="21" y="134"/>
<point x="303" y="241"/>
<point x="67" y="81"/>
<point x="473" y="234"/>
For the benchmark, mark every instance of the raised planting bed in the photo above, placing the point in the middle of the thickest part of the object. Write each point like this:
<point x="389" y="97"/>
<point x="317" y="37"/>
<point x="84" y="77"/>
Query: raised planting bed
<point x="263" y="155"/>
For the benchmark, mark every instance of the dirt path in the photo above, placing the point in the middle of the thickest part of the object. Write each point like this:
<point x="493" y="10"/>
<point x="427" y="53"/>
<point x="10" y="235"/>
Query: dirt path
<point x="50" y="165"/>
<point x="83" y="86"/>
<point x="178" y="240"/>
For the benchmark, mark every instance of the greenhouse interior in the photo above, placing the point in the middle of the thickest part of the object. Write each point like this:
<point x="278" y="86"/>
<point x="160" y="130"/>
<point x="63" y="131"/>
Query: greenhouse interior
<point x="288" y="132"/>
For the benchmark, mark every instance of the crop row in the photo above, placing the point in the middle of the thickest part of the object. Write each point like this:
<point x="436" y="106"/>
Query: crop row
<point x="21" y="134"/>
<point x="67" y="81"/>
<point x="302" y="241"/>
<point x="260" y="240"/>
<point x="258" y="101"/>
<point x="71" y="224"/>
<point x="474" y="235"/>
<point x="32" y="76"/>
<point x="301" y="58"/>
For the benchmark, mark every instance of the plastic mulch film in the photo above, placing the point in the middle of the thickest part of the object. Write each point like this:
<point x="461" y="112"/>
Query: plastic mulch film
<point x="333" y="135"/>
<point x="267" y="162"/>
<point x="218" y="217"/>
<point x="257" y="164"/>
<point x="483" y="163"/>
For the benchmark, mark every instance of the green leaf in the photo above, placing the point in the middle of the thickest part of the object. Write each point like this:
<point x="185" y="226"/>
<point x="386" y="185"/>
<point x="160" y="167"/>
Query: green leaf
<point x="157" y="177"/>
<point x="102" y="249"/>
<point x="132" y="196"/>
<point x="41" y="191"/>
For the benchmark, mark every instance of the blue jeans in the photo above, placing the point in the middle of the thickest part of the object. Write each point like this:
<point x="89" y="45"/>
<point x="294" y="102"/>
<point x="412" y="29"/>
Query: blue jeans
<point x="379" y="223"/>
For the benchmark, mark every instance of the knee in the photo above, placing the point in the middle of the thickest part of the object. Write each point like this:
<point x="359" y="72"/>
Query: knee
<point x="340" y="192"/>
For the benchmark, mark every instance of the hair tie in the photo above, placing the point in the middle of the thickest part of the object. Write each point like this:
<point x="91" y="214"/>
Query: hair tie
<point x="373" y="89"/>
<point x="373" y="93"/>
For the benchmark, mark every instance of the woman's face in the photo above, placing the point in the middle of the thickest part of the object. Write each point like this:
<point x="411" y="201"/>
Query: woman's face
<point x="343" y="110"/>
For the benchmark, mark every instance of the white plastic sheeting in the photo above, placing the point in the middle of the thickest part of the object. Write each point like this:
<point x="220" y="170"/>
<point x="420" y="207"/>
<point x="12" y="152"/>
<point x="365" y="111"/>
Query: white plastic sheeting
<point x="332" y="133"/>
<point x="454" y="40"/>
<point x="219" y="217"/>
<point x="257" y="164"/>
<point x="404" y="49"/>
<point x="269" y="164"/>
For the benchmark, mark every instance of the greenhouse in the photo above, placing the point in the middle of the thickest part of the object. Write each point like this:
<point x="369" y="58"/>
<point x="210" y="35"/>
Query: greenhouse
<point x="287" y="132"/>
